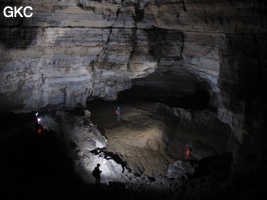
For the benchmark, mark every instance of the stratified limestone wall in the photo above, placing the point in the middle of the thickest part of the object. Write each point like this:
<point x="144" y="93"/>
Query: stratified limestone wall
<point x="72" y="50"/>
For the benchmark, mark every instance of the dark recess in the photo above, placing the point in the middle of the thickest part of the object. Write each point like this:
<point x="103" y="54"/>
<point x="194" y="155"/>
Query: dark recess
<point x="197" y="101"/>
<point x="160" y="42"/>
<point x="139" y="13"/>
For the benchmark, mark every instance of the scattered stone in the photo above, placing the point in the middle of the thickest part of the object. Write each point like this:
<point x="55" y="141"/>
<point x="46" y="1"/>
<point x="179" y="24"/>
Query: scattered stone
<point x="181" y="169"/>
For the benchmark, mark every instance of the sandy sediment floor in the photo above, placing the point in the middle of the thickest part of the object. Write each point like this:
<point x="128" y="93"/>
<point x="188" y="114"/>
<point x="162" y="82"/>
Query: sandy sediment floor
<point x="150" y="136"/>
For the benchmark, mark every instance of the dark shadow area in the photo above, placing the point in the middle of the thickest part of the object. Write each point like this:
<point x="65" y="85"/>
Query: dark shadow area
<point x="37" y="168"/>
<point x="197" y="101"/>
<point x="242" y="82"/>
<point x="243" y="86"/>
<point x="139" y="13"/>
<point x="218" y="166"/>
<point x="162" y="41"/>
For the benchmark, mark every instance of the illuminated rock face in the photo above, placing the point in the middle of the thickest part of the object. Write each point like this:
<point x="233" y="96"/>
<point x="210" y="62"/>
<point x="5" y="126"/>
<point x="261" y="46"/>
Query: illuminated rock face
<point x="149" y="141"/>
<point x="74" y="50"/>
<point x="70" y="51"/>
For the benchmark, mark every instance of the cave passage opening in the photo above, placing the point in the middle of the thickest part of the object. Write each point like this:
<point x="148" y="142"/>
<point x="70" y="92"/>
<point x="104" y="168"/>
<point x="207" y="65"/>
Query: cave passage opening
<point x="198" y="100"/>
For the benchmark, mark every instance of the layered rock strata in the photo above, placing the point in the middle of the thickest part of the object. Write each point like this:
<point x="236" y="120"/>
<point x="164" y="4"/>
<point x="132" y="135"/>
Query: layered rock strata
<point x="71" y="50"/>
<point x="74" y="50"/>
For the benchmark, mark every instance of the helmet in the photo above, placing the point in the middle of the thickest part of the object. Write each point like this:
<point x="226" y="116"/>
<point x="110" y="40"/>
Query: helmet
<point x="118" y="107"/>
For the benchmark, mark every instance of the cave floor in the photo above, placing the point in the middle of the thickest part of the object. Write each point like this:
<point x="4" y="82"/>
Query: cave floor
<point x="150" y="136"/>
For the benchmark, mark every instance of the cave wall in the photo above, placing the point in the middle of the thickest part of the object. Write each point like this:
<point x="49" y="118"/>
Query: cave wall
<point x="243" y="85"/>
<point x="74" y="50"/>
